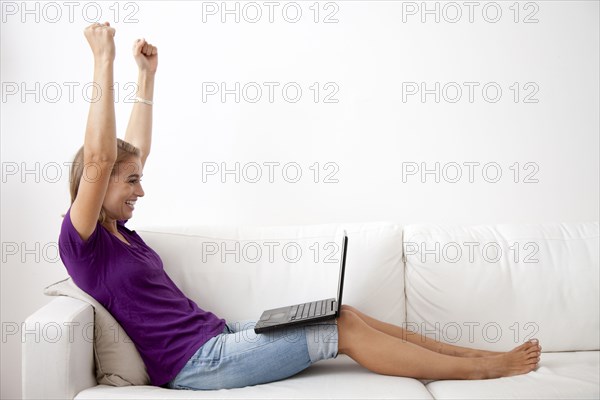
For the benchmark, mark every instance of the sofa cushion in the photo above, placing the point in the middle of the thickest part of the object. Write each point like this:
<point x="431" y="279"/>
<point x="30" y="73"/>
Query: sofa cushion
<point x="339" y="378"/>
<point x="566" y="375"/>
<point x="238" y="272"/>
<point x="117" y="360"/>
<point x="493" y="287"/>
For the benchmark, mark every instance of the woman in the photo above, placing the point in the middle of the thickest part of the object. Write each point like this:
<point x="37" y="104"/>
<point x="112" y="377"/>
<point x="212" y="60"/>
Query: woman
<point x="183" y="346"/>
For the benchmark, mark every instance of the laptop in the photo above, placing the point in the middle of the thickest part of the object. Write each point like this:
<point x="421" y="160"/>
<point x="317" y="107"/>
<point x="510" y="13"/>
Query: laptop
<point x="313" y="311"/>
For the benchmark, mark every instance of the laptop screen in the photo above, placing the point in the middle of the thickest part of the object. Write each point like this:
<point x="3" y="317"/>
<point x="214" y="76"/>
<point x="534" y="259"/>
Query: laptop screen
<point x="342" y="270"/>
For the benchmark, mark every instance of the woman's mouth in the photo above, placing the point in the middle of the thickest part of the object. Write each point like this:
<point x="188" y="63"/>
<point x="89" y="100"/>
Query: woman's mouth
<point x="130" y="203"/>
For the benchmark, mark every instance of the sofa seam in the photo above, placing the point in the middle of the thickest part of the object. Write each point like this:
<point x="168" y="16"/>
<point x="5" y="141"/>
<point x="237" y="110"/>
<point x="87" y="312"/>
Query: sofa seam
<point x="341" y="226"/>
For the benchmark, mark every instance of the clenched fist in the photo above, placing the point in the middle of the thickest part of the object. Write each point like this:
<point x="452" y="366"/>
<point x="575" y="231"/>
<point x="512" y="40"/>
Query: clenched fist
<point x="146" y="56"/>
<point x="101" y="40"/>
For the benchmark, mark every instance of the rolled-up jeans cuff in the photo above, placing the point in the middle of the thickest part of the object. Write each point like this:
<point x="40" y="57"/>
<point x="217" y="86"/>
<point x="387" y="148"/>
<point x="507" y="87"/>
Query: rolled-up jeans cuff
<point x="322" y="340"/>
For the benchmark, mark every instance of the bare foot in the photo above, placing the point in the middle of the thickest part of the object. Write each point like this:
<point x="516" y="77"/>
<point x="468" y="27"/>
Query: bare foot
<point x="520" y="360"/>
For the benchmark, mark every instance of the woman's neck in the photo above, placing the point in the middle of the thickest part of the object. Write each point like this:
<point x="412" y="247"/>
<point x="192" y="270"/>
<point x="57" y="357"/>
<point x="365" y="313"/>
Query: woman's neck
<point x="111" y="226"/>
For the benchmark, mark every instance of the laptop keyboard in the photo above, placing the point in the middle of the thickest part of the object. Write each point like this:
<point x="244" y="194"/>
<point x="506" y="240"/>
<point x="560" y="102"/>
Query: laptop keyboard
<point x="309" y="310"/>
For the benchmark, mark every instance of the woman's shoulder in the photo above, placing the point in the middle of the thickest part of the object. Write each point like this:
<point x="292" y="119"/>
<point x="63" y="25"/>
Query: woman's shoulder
<point x="70" y="242"/>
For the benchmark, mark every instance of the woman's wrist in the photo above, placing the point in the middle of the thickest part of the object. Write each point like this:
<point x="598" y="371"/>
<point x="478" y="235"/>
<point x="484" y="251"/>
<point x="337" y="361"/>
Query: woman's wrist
<point x="145" y="88"/>
<point x="145" y="74"/>
<point x="143" y="100"/>
<point x="103" y="62"/>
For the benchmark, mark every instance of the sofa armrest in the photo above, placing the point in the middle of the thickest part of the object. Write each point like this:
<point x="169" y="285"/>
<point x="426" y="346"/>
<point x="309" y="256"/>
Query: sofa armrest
<point x="57" y="350"/>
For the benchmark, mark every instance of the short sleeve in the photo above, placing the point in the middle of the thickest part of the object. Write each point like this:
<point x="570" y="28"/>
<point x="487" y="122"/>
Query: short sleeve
<point x="71" y="246"/>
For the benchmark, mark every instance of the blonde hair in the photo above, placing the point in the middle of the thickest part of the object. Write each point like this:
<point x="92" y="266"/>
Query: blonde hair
<point x="125" y="150"/>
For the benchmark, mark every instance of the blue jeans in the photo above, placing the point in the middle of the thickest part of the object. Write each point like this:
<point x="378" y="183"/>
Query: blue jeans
<point x="239" y="357"/>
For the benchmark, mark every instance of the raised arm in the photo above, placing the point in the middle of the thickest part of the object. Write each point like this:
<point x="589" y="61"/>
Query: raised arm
<point x="139" y="129"/>
<point x="100" y="142"/>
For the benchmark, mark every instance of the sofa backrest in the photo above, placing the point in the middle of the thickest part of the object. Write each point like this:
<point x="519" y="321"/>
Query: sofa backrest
<point x="493" y="287"/>
<point x="238" y="272"/>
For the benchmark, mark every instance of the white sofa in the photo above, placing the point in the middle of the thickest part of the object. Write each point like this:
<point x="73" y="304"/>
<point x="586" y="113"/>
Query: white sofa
<point x="488" y="287"/>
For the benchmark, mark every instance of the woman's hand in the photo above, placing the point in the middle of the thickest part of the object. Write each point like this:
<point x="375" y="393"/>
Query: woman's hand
<point x="146" y="56"/>
<point x="101" y="40"/>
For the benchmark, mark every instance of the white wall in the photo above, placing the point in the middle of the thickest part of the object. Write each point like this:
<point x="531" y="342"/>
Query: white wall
<point x="372" y="55"/>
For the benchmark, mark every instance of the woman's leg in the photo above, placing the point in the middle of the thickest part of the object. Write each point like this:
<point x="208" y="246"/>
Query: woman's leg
<point x="415" y="338"/>
<point x="390" y="355"/>
<point x="243" y="357"/>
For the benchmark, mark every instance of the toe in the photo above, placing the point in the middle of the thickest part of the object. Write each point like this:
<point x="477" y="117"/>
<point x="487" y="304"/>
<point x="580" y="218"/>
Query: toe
<point x="533" y="350"/>
<point x="526" y="346"/>
<point x="532" y="362"/>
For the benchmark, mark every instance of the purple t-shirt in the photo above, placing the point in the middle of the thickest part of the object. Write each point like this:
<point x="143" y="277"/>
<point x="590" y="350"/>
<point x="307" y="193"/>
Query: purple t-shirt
<point x="130" y="282"/>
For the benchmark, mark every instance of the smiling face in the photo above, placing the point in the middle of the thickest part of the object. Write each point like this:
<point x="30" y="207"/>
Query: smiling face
<point x="123" y="190"/>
